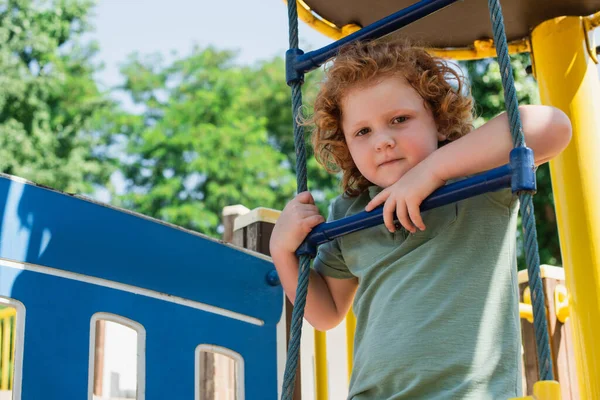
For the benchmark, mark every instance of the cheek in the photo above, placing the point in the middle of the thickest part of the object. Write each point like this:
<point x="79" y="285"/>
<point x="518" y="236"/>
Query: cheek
<point x="360" y="156"/>
<point x="422" y="145"/>
<point x="354" y="150"/>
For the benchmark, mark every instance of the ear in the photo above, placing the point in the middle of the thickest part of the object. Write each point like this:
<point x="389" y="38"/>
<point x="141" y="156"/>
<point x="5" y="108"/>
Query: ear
<point x="442" y="137"/>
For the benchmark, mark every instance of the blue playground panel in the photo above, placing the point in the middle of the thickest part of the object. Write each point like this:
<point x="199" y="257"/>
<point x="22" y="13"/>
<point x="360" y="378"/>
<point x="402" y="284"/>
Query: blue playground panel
<point x="82" y="258"/>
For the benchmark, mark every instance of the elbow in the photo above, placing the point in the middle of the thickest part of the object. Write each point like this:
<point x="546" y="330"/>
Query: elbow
<point x="561" y="130"/>
<point x="325" y="324"/>
<point x="549" y="130"/>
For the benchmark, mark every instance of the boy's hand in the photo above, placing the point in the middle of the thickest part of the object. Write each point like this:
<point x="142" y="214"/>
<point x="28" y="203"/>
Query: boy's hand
<point x="404" y="198"/>
<point x="295" y="222"/>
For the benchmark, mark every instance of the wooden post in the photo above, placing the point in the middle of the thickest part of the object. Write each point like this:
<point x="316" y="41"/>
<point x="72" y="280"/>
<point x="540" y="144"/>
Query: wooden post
<point x="230" y="213"/>
<point x="253" y="231"/>
<point x="561" y="341"/>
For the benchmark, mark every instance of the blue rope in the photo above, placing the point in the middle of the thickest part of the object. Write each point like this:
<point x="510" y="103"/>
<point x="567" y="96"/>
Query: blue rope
<point x="289" y="377"/>
<point x="526" y="199"/>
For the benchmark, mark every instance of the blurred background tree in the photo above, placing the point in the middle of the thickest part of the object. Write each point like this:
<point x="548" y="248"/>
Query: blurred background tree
<point x="49" y="101"/>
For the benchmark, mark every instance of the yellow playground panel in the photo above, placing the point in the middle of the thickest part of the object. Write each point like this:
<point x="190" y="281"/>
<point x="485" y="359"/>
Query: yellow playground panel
<point x="559" y="36"/>
<point x="7" y="333"/>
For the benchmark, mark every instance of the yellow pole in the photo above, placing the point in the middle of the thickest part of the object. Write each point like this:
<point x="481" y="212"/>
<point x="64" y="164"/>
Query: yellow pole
<point x="321" y="365"/>
<point x="350" y="329"/>
<point x="5" y="362"/>
<point x="568" y="79"/>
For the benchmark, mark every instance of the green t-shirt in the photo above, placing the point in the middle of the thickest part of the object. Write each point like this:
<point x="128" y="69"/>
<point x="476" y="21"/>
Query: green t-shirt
<point x="437" y="312"/>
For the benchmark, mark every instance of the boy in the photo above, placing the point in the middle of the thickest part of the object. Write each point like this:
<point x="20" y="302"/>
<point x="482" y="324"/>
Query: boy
<point x="437" y="310"/>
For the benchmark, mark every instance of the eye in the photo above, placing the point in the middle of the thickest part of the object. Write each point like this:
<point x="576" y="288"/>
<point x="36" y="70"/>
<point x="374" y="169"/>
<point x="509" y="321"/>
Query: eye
<point x="362" y="132"/>
<point x="400" y="119"/>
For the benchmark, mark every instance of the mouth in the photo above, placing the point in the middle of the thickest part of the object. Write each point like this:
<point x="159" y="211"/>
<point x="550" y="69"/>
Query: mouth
<point x="390" y="162"/>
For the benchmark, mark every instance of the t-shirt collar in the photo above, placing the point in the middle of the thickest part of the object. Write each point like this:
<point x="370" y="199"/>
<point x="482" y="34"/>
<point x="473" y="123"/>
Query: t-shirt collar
<point x="374" y="191"/>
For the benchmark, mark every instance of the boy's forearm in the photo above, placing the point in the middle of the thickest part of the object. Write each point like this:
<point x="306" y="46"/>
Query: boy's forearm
<point x="547" y="132"/>
<point x="320" y="308"/>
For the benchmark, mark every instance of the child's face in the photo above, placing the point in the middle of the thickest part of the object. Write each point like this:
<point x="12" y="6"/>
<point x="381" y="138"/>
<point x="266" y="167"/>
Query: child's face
<point x="388" y="129"/>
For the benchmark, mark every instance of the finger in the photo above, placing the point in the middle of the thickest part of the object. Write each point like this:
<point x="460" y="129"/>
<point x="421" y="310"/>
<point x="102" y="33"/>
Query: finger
<point x="310" y="222"/>
<point x="305" y="198"/>
<point x="306" y="210"/>
<point x="308" y="207"/>
<point x="388" y="214"/>
<point x="377" y="200"/>
<point x="414" y="213"/>
<point x="402" y="213"/>
<point x="315" y="220"/>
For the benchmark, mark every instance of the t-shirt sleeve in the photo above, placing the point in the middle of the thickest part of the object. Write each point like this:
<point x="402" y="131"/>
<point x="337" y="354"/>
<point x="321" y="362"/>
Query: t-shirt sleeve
<point x="330" y="260"/>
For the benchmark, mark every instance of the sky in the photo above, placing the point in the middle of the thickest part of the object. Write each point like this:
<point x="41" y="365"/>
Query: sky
<point x="257" y="29"/>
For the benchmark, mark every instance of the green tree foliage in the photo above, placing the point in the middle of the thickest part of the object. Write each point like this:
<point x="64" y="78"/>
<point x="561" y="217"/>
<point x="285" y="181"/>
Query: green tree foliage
<point x="273" y="101"/>
<point x="210" y="134"/>
<point x="486" y="86"/>
<point x="49" y="101"/>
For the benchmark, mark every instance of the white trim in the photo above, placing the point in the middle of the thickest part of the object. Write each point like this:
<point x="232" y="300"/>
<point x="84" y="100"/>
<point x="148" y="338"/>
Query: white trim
<point x="260" y="214"/>
<point x="132" y="289"/>
<point x="19" y="341"/>
<point x="240" y="386"/>
<point x="237" y="209"/>
<point x="141" y="351"/>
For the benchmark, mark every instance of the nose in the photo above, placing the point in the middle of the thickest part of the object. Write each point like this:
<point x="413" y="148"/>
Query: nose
<point x="384" y="140"/>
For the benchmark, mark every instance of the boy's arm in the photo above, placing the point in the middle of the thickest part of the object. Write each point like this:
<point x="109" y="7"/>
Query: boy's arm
<point x="547" y="132"/>
<point x="328" y="299"/>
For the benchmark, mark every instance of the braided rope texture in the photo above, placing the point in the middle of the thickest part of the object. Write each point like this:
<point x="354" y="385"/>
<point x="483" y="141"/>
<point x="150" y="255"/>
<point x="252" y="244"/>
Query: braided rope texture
<point x="289" y="377"/>
<point x="526" y="199"/>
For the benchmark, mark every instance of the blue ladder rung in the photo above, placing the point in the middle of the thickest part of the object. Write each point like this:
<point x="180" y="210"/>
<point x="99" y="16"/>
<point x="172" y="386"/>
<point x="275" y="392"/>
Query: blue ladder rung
<point x="518" y="175"/>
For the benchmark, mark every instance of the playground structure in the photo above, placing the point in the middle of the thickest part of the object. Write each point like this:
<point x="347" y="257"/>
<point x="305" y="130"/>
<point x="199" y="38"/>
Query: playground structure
<point x="66" y="262"/>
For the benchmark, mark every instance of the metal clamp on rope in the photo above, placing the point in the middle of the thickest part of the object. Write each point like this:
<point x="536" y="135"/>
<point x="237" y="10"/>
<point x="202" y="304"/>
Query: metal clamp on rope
<point x="307" y="249"/>
<point x="522" y="165"/>
<point x="291" y="67"/>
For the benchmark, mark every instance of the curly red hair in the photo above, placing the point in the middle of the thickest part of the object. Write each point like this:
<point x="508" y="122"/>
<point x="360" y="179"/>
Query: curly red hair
<point x="364" y="63"/>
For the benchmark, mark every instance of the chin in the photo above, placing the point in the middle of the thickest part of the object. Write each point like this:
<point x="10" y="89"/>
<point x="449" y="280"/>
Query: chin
<point x="389" y="177"/>
<point x="388" y="182"/>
